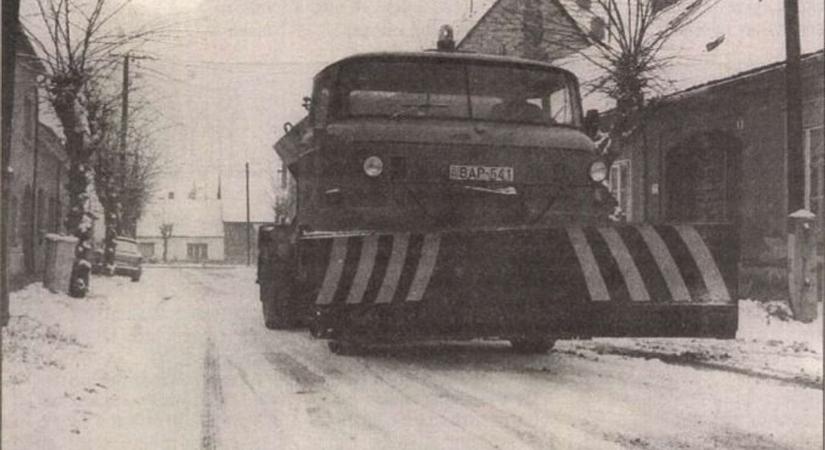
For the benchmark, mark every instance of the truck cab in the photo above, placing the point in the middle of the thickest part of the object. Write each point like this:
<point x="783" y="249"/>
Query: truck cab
<point x="443" y="140"/>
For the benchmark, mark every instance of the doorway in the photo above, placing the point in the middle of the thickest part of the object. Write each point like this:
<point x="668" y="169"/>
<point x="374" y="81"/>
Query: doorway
<point x="702" y="179"/>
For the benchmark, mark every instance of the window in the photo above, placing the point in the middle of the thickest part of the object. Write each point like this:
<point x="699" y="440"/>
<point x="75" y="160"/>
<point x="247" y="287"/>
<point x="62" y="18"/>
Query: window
<point x="171" y="195"/>
<point x="147" y="249"/>
<point x="619" y="182"/>
<point x="814" y="144"/>
<point x="434" y="88"/>
<point x="197" y="252"/>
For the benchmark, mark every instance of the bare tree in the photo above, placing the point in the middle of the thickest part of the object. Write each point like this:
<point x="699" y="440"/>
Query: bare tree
<point x="77" y="44"/>
<point x="621" y="39"/>
<point x="123" y="176"/>
<point x="166" y="231"/>
<point x="625" y="40"/>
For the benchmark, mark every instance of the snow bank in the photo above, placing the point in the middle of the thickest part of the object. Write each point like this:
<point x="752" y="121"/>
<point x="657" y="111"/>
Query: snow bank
<point x="773" y="322"/>
<point x="769" y="344"/>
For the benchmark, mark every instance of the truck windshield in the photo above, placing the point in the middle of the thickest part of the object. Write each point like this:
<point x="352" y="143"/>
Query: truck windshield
<point x="456" y="90"/>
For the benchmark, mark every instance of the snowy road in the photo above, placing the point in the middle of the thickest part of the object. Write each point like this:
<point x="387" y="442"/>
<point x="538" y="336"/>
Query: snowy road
<point x="201" y="371"/>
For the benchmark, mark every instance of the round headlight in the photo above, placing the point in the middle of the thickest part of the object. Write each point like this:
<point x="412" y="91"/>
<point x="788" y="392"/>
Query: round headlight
<point x="598" y="171"/>
<point x="373" y="166"/>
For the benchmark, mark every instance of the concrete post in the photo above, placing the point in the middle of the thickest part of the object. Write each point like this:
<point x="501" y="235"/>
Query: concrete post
<point x="802" y="277"/>
<point x="59" y="258"/>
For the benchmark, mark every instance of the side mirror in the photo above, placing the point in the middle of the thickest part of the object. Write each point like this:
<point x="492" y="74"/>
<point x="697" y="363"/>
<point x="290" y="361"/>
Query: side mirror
<point x="307" y="103"/>
<point x="591" y="123"/>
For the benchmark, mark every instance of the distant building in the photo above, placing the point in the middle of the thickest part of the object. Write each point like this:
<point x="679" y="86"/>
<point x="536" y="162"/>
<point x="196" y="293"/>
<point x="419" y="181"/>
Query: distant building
<point x="39" y="168"/>
<point x="197" y="229"/>
<point x="235" y="241"/>
<point x="235" y="226"/>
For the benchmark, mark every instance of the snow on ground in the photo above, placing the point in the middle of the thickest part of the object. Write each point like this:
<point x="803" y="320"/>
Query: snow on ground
<point x="112" y="370"/>
<point x="768" y="344"/>
<point x="93" y="372"/>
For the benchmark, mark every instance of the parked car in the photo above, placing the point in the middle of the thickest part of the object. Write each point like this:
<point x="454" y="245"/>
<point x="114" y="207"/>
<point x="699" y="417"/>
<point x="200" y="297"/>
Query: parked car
<point x="128" y="259"/>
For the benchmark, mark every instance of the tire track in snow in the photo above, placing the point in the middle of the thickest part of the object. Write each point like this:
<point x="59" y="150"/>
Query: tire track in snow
<point x="298" y="372"/>
<point x="212" y="397"/>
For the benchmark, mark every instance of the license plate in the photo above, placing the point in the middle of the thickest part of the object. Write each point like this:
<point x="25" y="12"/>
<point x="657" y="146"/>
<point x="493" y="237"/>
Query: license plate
<point x="481" y="173"/>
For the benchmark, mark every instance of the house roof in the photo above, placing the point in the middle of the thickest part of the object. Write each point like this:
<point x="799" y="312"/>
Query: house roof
<point x="738" y="76"/>
<point x="504" y="23"/>
<point x="749" y="34"/>
<point x="25" y="52"/>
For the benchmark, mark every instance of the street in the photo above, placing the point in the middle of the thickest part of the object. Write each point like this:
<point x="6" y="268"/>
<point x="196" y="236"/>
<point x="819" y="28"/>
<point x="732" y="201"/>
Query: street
<point x="183" y="361"/>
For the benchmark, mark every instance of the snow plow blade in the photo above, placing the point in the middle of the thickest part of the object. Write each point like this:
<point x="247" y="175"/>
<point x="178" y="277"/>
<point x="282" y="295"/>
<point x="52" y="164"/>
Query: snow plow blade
<point x="642" y="281"/>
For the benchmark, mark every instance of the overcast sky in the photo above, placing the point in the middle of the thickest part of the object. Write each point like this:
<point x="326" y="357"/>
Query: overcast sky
<point x="239" y="70"/>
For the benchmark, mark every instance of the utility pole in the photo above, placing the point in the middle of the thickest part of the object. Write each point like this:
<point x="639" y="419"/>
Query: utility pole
<point x="10" y="30"/>
<point x="795" y="158"/>
<point x="802" y="275"/>
<point x="248" y="223"/>
<point x="124" y="105"/>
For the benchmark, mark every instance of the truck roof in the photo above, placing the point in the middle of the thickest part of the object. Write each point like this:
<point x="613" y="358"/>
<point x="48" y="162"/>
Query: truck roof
<point x="446" y="56"/>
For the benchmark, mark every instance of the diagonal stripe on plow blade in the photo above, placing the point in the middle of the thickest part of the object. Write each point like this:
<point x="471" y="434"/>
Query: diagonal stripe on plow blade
<point x="394" y="268"/>
<point x="590" y="269"/>
<point x="707" y="264"/>
<point x="632" y="277"/>
<point x="670" y="271"/>
<point x="426" y="264"/>
<point x="334" y="270"/>
<point x="365" y="265"/>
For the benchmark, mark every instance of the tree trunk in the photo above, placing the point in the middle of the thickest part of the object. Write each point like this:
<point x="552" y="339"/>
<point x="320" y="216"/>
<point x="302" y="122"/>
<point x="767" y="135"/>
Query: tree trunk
<point x="79" y="221"/>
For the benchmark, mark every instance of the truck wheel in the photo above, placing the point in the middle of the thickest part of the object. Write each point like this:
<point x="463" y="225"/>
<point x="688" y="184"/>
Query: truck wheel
<point x="532" y="344"/>
<point x="276" y="316"/>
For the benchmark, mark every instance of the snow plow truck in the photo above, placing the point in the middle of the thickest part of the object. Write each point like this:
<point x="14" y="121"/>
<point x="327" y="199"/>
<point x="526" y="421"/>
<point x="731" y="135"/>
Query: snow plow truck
<point x="447" y="195"/>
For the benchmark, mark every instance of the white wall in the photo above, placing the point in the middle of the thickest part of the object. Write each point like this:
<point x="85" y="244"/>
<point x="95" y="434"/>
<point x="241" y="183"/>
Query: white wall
<point x="177" y="247"/>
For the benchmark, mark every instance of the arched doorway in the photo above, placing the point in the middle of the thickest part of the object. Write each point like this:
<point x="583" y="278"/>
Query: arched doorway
<point x="702" y="179"/>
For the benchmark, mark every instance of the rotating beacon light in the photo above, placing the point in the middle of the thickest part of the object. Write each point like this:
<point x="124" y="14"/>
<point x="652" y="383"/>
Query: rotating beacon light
<point x="445" y="39"/>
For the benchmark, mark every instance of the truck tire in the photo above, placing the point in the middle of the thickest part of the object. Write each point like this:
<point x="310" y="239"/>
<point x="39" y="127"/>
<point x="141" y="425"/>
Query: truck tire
<point x="277" y="315"/>
<point x="532" y="344"/>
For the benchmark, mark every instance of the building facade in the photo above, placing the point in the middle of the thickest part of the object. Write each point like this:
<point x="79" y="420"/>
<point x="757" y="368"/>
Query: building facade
<point x="196" y="230"/>
<point x="716" y="153"/>
<point x="38" y="166"/>
<point x="235" y="241"/>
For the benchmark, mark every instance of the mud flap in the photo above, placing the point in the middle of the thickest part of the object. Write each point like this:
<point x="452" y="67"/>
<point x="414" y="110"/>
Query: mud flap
<point x="668" y="280"/>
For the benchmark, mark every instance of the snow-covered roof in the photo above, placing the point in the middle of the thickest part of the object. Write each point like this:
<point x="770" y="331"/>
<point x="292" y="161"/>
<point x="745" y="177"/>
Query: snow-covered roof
<point x="749" y="33"/>
<point x="191" y="218"/>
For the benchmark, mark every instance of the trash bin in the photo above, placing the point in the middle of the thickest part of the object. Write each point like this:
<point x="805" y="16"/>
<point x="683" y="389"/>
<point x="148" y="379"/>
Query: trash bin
<point x="59" y="259"/>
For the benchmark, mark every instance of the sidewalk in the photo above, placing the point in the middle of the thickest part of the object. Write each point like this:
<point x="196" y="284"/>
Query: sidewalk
<point x="100" y="372"/>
